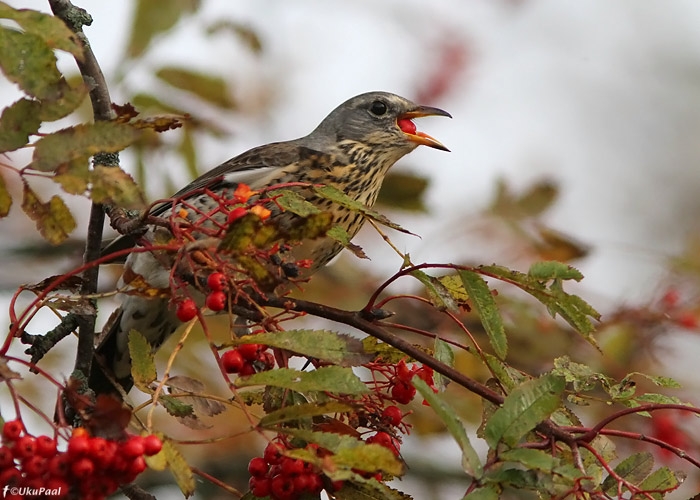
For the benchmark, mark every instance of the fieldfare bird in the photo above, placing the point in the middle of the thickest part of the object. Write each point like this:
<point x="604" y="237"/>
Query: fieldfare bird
<point x="352" y="149"/>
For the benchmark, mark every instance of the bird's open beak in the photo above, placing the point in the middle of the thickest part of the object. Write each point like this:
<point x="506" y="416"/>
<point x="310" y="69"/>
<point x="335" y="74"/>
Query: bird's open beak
<point x="406" y="125"/>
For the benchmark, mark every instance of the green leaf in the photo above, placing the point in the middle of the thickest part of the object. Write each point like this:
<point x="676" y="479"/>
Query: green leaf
<point x="443" y="353"/>
<point x="340" y="235"/>
<point x="293" y="202"/>
<point x="301" y="411"/>
<point x="17" y="123"/>
<point x="506" y="375"/>
<point x="662" y="479"/>
<point x="334" y="379"/>
<point x="5" y="198"/>
<point x="152" y="18"/>
<point x="242" y="31"/>
<point x="470" y="460"/>
<point x="526" y="406"/>
<point x="143" y="366"/>
<point x="179" y="468"/>
<point x="485" y="306"/>
<point x="50" y="29"/>
<point x="80" y="141"/>
<point x="111" y="185"/>
<point x="53" y="219"/>
<point x="439" y="295"/>
<point x="531" y="459"/>
<point x="335" y="195"/>
<point x="74" y="176"/>
<point x="652" y="397"/>
<point x="209" y="88"/>
<point x="660" y="381"/>
<point x="27" y="61"/>
<point x="582" y="377"/>
<point x="531" y="203"/>
<point x="369" y="490"/>
<point x="336" y="348"/>
<point x="489" y="492"/>
<point x="552" y="269"/>
<point x="176" y="406"/>
<point x="632" y="469"/>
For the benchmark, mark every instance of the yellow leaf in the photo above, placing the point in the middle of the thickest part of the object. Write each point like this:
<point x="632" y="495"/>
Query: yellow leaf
<point x="53" y="219"/>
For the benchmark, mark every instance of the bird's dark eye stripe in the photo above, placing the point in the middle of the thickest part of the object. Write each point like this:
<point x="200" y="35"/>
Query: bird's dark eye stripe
<point x="378" y="108"/>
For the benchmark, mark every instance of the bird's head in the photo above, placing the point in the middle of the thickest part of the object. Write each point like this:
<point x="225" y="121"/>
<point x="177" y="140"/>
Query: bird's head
<point x="379" y="120"/>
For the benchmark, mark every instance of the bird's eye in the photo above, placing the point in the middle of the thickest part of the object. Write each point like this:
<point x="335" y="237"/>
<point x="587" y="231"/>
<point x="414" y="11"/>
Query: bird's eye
<point x="378" y="108"/>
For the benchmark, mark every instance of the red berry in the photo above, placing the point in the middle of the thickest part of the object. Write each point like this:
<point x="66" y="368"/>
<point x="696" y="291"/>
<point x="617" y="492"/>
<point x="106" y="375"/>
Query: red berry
<point x="250" y="352"/>
<point x="247" y="369"/>
<point x="58" y="486"/>
<point x="258" y="467"/>
<point x="671" y="298"/>
<point x="232" y="361"/>
<point x="12" y="430"/>
<point x="385" y="440"/>
<point x="282" y="487"/>
<point x="59" y="465"/>
<point x="186" y="310"/>
<point x="688" y="319"/>
<point x="10" y="476"/>
<point x="392" y="415"/>
<point x="273" y="453"/>
<point x="407" y="126"/>
<point x="292" y="466"/>
<point x="152" y="445"/>
<point x="6" y="457"/>
<point x="302" y="482"/>
<point x="78" y="446"/>
<point x="236" y="214"/>
<point x="403" y="392"/>
<point x="216" y="301"/>
<point x="134" y="447"/>
<point x="403" y="372"/>
<point x="35" y="466"/>
<point x="82" y="468"/>
<point x="216" y="282"/>
<point x="315" y="483"/>
<point x="337" y="485"/>
<point x="45" y="446"/>
<point x="259" y="486"/>
<point x="25" y="447"/>
<point x="97" y="447"/>
<point x="267" y="359"/>
<point x="138" y="465"/>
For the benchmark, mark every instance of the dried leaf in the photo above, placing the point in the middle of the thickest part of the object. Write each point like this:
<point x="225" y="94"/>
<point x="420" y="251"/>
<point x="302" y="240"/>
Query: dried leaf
<point x="111" y="185"/>
<point x="53" y="219"/>
<point x="201" y="404"/>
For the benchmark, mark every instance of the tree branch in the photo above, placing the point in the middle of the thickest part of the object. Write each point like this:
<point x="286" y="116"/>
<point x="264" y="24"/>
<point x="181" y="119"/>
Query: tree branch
<point x="91" y="72"/>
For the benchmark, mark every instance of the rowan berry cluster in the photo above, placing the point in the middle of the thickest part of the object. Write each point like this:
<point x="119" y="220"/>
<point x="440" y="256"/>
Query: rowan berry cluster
<point x="248" y="359"/>
<point x="280" y="477"/>
<point x="401" y="389"/>
<point x="90" y="467"/>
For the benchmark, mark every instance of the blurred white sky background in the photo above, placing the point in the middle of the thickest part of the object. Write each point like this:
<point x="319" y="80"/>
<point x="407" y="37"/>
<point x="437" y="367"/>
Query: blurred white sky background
<point x="599" y="96"/>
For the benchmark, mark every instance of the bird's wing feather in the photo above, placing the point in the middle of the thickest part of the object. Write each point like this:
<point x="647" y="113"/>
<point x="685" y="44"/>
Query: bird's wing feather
<point x="253" y="167"/>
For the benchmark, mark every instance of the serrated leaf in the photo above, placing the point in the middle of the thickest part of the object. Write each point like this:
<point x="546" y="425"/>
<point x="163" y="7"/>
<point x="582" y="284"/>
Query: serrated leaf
<point x="651" y="397"/>
<point x="293" y="202"/>
<point x="489" y="492"/>
<point x="143" y="366"/>
<point x="340" y="235"/>
<point x="151" y="19"/>
<point x="26" y="60"/>
<point x="5" y="198"/>
<point x="337" y="196"/>
<point x="531" y="459"/>
<point x="632" y="469"/>
<point x="485" y="306"/>
<point x="179" y="468"/>
<point x="470" y="460"/>
<point x="17" y="123"/>
<point x="378" y="349"/>
<point x="582" y="377"/>
<point x="660" y="381"/>
<point x="176" y="407"/>
<point x="53" y="219"/>
<point x="526" y="406"/>
<point x="304" y="410"/>
<point x="552" y="269"/>
<point x="112" y="185"/>
<point x="73" y="176"/>
<point x="454" y="286"/>
<point x="439" y="295"/>
<point x="80" y="141"/>
<point x="50" y="29"/>
<point x="507" y="376"/>
<point x="369" y="490"/>
<point x="662" y="479"/>
<point x="328" y="440"/>
<point x="334" y="379"/>
<point x="209" y="88"/>
<point x="336" y="348"/>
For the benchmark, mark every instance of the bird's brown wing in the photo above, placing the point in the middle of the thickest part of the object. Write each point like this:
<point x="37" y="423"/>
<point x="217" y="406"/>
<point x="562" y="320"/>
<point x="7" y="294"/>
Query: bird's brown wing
<point x="253" y="167"/>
